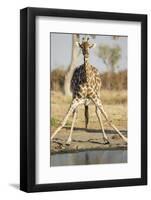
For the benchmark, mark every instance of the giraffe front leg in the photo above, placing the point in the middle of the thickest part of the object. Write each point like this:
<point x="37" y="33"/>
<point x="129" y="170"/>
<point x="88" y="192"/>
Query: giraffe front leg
<point x="98" y="113"/>
<point x="73" y="106"/>
<point x="112" y="125"/>
<point x="72" y="126"/>
<point x="98" y="103"/>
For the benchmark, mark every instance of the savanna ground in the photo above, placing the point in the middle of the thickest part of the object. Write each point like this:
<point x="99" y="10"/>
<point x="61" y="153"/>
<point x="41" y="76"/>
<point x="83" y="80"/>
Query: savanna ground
<point x="115" y="105"/>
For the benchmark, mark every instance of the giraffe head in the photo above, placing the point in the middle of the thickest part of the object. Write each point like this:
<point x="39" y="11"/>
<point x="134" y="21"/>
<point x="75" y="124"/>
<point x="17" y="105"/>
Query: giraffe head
<point x="85" y="47"/>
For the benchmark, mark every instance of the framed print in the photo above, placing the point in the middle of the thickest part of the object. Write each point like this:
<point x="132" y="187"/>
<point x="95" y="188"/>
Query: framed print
<point x="83" y="99"/>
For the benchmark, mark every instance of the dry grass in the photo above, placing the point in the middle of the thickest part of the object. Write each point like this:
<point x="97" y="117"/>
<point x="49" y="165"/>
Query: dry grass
<point x="114" y="96"/>
<point x="107" y="97"/>
<point x="115" y="104"/>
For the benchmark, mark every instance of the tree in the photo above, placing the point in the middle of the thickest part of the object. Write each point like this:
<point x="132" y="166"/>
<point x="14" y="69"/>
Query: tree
<point x="114" y="59"/>
<point x="110" y="57"/>
<point x="73" y="64"/>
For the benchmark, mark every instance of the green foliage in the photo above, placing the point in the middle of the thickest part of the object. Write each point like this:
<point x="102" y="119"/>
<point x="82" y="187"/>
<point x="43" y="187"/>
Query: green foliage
<point x="115" y="56"/>
<point x="104" y="52"/>
<point x="110" y="56"/>
<point x="55" y="122"/>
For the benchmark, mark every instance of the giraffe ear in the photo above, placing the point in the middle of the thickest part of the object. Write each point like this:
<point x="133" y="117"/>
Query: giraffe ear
<point x="77" y="44"/>
<point x="93" y="46"/>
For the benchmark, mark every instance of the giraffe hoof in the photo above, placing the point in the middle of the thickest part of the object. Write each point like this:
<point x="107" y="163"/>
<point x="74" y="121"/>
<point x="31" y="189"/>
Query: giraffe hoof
<point x="106" y="141"/>
<point x="51" y="139"/>
<point x="68" y="142"/>
<point x="125" y="140"/>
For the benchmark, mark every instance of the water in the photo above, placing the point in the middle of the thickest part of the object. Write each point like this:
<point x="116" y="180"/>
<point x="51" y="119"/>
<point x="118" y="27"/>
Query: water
<point x="89" y="157"/>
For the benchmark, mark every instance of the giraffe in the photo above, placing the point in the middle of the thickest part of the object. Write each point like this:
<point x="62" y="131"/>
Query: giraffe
<point x="86" y="87"/>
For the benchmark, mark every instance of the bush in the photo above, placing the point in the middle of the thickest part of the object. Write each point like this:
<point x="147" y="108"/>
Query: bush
<point x="113" y="81"/>
<point x="57" y="79"/>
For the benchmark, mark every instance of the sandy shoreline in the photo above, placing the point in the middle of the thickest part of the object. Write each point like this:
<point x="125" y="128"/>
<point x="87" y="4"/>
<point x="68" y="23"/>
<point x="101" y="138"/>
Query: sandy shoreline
<point x="87" y="140"/>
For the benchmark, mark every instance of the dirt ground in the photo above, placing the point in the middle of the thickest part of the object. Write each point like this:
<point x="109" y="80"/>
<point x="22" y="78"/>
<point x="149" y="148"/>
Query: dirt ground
<point x="115" y="104"/>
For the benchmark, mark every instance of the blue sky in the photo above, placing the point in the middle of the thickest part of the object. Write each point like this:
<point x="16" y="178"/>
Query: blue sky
<point x="61" y="46"/>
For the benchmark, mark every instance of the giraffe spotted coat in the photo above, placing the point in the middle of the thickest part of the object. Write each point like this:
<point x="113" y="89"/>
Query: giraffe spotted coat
<point x="86" y="82"/>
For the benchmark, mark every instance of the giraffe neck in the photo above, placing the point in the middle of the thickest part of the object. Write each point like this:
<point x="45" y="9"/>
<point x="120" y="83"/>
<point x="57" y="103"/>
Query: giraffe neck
<point x="86" y="62"/>
<point x="87" y="68"/>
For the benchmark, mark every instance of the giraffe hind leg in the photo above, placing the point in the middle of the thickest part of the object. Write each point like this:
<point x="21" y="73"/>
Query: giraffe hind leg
<point x="98" y="103"/>
<point x="98" y="113"/>
<point x="73" y="106"/>
<point x="72" y="126"/>
<point x="113" y="126"/>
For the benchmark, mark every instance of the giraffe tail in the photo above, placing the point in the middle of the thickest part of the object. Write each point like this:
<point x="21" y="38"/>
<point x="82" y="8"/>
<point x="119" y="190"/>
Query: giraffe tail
<point x="86" y="116"/>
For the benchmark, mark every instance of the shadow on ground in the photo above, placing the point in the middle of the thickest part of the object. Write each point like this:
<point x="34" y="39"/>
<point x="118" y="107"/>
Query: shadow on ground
<point x="15" y="185"/>
<point x="90" y="130"/>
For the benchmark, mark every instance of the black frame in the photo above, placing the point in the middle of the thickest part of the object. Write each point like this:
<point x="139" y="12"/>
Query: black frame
<point x="28" y="100"/>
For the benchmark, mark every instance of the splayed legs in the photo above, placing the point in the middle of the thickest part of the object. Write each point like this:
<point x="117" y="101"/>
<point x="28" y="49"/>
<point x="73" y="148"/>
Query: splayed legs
<point x="72" y="126"/>
<point x="75" y="103"/>
<point x="99" y="105"/>
<point x="98" y="113"/>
